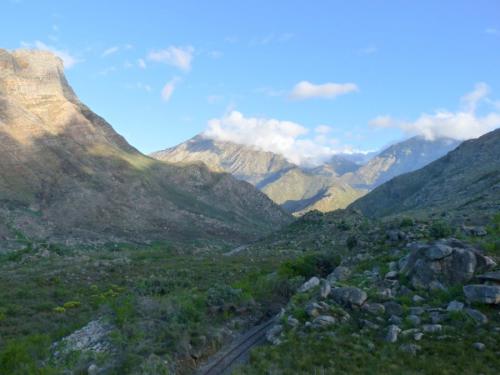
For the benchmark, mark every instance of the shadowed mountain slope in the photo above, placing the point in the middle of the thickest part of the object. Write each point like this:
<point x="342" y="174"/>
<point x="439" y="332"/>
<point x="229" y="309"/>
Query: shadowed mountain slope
<point x="66" y="174"/>
<point x="465" y="180"/>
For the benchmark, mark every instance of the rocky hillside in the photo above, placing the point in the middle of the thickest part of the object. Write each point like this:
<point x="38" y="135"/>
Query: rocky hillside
<point x="465" y="180"/>
<point x="332" y="185"/>
<point x="66" y="174"/>
<point x="295" y="188"/>
<point x="402" y="157"/>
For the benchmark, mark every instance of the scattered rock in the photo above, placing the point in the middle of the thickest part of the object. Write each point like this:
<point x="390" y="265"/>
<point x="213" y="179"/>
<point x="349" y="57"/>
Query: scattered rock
<point x="324" y="289"/>
<point x="374" y="308"/>
<point x="93" y="369"/>
<point x="273" y="334"/>
<point x="437" y="317"/>
<point x="340" y="273"/>
<point x="455" y="306"/>
<point x="292" y="322"/>
<point x="488" y="294"/>
<point x="432" y="328"/>
<point x="474" y="231"/>
<point x="490" y="276"/>
<point x="392" y="333"/>
<point x="416" y="310"/>
<point x="324" y="320"/>
<point x="313" y="309"/>
<point x="394" y="319"/>
<point x="393" y="308"/>
<point x="417" y="299"/>
<point x="309" y="284"/>
<point x="414" y="320"/>
<point x="91" y="338"/>
<point x="418" y="336"/>
<point x="391" y="275"/>
<point x="477" y="315"/>
<point x="349" y="296"/>
<point x="370" y="325"/>
<point x="479" y="346"/>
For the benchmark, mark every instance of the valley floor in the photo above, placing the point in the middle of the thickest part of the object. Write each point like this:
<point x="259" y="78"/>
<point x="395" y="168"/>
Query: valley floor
<point x="165" y="309"/>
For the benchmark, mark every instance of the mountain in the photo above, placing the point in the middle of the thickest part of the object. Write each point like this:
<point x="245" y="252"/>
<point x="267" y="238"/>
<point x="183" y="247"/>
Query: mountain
<point x="66" y="174"/>
<point x="399" y="158"/>
<point x="295" y="188"/>
<point x="465" y="180"/>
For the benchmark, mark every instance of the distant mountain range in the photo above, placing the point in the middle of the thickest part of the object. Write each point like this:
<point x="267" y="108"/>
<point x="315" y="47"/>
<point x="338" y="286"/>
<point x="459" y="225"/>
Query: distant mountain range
<point x="334" y="184"/>
<point x="466" y="180"/>
<point x="65" y="173"/>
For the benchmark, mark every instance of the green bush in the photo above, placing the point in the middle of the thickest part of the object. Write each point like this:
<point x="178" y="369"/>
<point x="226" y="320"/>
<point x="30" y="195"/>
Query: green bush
<point x="440" y="229"/>
<point x="351" y="242"/>
<point x="318" y="264"/>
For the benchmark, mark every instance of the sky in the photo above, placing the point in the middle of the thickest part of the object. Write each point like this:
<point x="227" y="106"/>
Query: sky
<point x="303" y="78"/>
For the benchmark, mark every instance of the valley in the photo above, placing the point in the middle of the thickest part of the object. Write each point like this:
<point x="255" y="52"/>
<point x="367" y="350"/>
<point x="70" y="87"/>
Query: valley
<point x="260" y="245"/>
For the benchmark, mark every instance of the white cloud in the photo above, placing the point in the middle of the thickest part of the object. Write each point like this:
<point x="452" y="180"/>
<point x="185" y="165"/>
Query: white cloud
<point x="307" y="90"/>
<point x="168" y="89"/>
<point x="271" y="38"/>
<point x="68" y="60"/>
<point x="463" y="124"/>
<point x="180" y="57"/>
<point x="283" y="137"/>
<point x="141" y="63"/>
<point x="473" y="98"/>
<point x="110" y="51"/>
<point x="492" y="31"/>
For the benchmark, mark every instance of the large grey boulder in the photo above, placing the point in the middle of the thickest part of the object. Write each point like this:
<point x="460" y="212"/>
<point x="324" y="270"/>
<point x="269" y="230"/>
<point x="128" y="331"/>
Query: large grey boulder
<point x="349" y="296"/>
<point x="442" y="263"/>
<point x="392" y="333"/>
<point x="488" y="294"/>
<point x="340" y="273"/>
<point x="309" y="284"/>
<point x="493" y="277"/>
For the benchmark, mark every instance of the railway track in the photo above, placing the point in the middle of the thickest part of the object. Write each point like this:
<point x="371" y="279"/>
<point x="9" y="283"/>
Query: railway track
<point x="235" y="352"/>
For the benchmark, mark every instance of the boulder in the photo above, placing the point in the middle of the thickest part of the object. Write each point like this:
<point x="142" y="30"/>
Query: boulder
<point x="442" y="263"/>
<point x="414" y="320"/>
<point x="350" y="296"/>
<point x="309" y="284"/>
<point x="479" y="346"/>
<point x="393" y="308"/>
<point x="455" y="306"/>
<point x="493" y="277"/>
<point x="374" y="308"/>
<point x="432" y="328"/>
<point x="340" y="273"/>
<point x="391" y="275"/>
<point x="273" y="334"/>
<point x="392" y="333"/>
<point x="324" y="289"/>
<point x="323" y="321"/>
<point x="477" y="315"/>
<point x="488" y="294"/>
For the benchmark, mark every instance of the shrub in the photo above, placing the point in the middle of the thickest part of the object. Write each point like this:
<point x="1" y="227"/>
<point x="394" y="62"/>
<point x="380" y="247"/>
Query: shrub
<point x="406" y="222"/>
<point x="71" y="304"/>
<point x="440" y="229"/>
<point x="59" y="309"/>
<point x="318" y="264"/>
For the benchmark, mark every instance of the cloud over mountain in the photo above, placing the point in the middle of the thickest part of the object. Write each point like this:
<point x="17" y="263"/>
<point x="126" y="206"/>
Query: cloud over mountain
<point x="465" y="123"/>
<point x="283" y="137"/>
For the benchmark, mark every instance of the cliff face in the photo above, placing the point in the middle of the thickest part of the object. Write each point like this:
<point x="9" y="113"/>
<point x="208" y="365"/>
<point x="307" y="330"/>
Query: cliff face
<point x="65" y="173"/>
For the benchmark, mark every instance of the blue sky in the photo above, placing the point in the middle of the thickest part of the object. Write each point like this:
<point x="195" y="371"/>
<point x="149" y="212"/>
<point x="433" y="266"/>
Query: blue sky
<point x="303" y="75"/>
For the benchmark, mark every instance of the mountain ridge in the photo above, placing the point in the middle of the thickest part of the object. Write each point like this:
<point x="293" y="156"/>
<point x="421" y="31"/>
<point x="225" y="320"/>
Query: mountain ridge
<point x="65" y="173"/>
